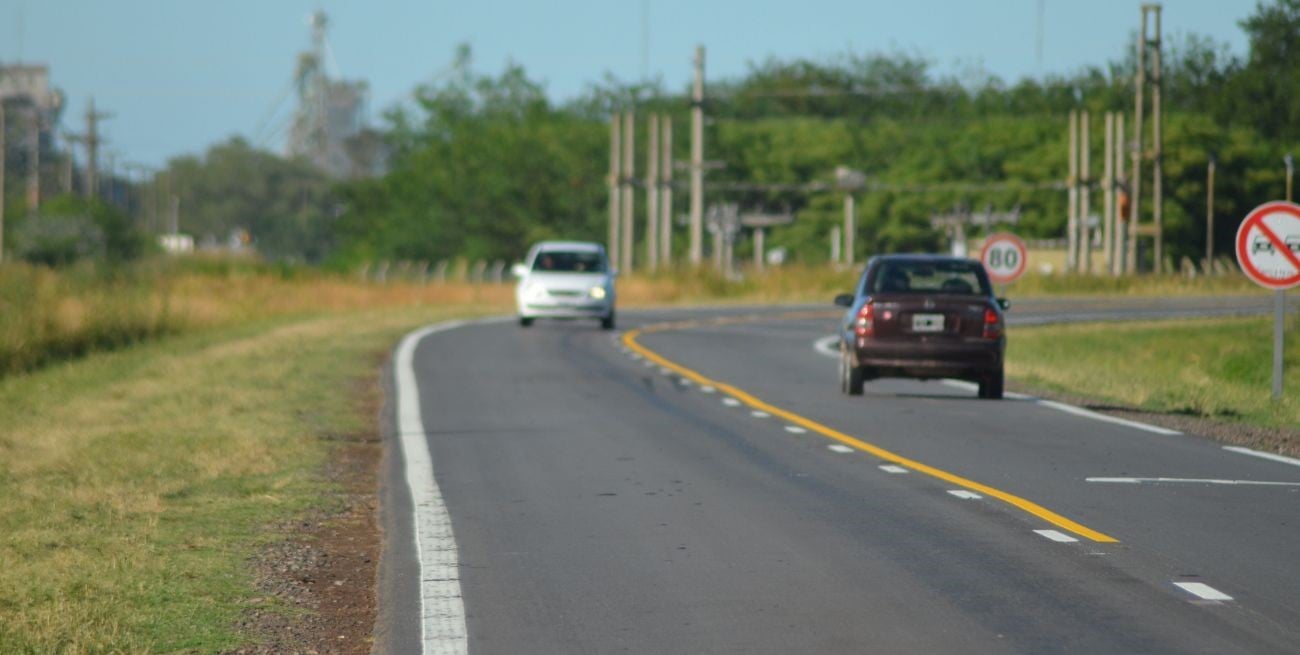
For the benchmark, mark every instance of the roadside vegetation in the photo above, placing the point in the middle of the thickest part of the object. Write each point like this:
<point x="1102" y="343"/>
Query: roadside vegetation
<point x="1213" y="368"/>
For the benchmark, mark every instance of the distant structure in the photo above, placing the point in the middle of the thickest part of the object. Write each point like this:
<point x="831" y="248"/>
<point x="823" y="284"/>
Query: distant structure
<point x="31" y="109"/>
<point x="329" y="126"/>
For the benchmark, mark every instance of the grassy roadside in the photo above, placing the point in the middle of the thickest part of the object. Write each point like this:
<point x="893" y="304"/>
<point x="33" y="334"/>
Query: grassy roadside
<point x="1212" y="368"/>
<point x="134" y="485"/>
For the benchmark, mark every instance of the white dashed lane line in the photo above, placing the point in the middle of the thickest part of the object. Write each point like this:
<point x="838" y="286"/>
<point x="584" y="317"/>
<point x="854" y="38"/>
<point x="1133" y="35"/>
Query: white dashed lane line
<point x="758" y="414"/>
<point x="892" y="468"/>
<point x="707" y="389"/>
<point x="1056" y="536"/>
<point x="840" y="448"/>
<point x="794" y="429"/>
<point x="964" y="494"/>
<point x="731" y="402"/>
<point x="1202" y="591"/>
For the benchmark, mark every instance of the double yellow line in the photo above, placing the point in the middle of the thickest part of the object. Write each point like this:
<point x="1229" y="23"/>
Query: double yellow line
<point x="630" y="340"/>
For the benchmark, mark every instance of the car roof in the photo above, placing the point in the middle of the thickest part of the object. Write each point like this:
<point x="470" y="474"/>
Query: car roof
<point x="923" y="257"/>
<point x="567" y="245"/>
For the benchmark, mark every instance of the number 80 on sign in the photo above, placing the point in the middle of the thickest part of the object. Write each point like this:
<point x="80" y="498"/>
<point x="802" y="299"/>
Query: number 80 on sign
<point x="1004" y="257"/>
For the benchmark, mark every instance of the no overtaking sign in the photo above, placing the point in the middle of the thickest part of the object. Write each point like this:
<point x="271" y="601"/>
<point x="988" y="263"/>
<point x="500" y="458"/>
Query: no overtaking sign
<point x="1268" y="251"/>
<point x="1268" y="245"/>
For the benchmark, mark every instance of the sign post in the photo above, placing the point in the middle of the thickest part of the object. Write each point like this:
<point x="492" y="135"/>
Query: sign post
<point x="1268" y="251"/>
<point x="1004" y="257"/>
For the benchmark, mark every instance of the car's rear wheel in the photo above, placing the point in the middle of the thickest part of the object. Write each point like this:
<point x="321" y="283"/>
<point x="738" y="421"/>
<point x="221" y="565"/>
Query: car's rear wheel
<point x="991" y="385"/>
<point x="607" y="322"/>
<point x="852" y="377"/>
<point x="525" y="321"/>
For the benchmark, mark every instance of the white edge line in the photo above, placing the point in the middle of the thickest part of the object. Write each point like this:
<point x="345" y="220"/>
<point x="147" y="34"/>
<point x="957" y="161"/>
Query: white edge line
<point x="1259" y="483"/>
<point x="1056" y="536"/>
<point x="1202" y="591"/>
<point x="823" y="347"/>
<point x="442" y="609"/>
<point x="1259" y="453"/>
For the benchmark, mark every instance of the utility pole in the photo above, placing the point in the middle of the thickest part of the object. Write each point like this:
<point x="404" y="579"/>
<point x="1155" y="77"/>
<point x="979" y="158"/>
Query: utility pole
<point x="1085" y="190"/>
<point x="34" y="159"/>
<point x="697" y="160"/>
<point x="1290" y="168"/>
<point x="1117" y="249"/>
<point x="835" y="244"/>
<point x="760" y="247"/>
<point x="1157" y="154"/>
<point x="614" y="183"/>
<point x="629" y="191"/>
<point x="1135" y="198"/>
<point x="92" y="149"/>
<point x="652" y="195"/>
<point x="850" y="226"/>
<point x="1072" y="198"/>
<point x="1108" y="192"/>
<point x="666" y="193"/>
<point x="1209" y="214"/>
<point x="3" y="152"/>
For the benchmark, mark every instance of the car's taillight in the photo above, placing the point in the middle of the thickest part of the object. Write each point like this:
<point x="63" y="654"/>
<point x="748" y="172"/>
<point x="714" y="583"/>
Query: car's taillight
<point x="992" y="323"/>
<point x="864" y="326"/>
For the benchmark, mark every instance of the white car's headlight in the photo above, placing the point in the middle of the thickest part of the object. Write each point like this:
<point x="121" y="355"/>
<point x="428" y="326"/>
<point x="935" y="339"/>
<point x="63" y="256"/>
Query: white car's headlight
<point x="597" y="292"/>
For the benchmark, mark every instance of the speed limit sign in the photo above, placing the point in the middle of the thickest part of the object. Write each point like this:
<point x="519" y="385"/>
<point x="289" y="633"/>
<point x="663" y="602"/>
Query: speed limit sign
<point x="1004" y="257"/>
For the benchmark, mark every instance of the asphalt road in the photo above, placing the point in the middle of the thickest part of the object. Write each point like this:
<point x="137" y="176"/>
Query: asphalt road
<point x="602" y="502"/>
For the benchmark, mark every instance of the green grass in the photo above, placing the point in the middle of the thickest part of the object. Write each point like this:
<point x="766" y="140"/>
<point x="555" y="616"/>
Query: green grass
<point x="1219" y="368"/>
<point x="135" y="485"/>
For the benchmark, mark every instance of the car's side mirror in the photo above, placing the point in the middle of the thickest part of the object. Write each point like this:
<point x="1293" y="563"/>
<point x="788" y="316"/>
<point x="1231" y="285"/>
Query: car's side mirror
<point x="1004" y="303"/>
<point x="519" y="270"/>
<point x="844" y="300"/>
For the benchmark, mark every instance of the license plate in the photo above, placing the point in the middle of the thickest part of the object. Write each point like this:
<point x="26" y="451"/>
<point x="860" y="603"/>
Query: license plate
<point x="927" y="322"/>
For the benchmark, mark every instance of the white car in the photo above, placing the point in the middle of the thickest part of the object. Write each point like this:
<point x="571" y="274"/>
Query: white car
<point x="565" y="279"/>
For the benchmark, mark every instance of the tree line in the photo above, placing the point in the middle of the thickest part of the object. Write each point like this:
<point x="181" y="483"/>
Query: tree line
<point x="483" y="164"/>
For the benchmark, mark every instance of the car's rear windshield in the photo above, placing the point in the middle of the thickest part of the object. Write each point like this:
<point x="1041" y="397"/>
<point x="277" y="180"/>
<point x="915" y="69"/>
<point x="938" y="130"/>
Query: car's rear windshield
<point x="946" y="277"/>
<point x="569" y="261"/>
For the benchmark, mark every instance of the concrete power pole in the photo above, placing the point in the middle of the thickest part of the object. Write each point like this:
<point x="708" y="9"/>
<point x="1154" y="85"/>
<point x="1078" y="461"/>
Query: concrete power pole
<point x="3" y="151"/>
<point x="34" y="159"/>
<point x="666" y="193"/>
<point x="1085" y="191"/>
<point x="1072" y="199"/>
<point x="1209" y="214"/>
<point x="614" y="183"/>
<point x="629" y="192"/>
<point x="1108" y="191"/>
<point x="652" y="195"/>
<point x="1135" y="185"/>
<point x="850" y="227"/>
<point x="697" y="160"/>
<point x="92" y="149"/>
<point x="1157" y="153"/>
<point x="1117" y="248"/>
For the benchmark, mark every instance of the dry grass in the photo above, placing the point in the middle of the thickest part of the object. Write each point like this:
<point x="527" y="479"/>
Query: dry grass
<point x="134" y="485"/>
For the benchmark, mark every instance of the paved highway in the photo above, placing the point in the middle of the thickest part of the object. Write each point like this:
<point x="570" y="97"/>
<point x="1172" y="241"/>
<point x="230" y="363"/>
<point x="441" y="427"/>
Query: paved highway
<point x="702" y="486"/>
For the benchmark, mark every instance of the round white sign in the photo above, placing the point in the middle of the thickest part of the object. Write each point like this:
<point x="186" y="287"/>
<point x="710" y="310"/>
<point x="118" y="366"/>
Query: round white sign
<point x="1004" y="257"/>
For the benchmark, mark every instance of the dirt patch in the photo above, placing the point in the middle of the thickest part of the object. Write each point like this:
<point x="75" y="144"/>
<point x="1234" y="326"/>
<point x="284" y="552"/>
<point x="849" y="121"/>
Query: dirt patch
<point x="1280" y="440"/>
<point x="324" y="570"/>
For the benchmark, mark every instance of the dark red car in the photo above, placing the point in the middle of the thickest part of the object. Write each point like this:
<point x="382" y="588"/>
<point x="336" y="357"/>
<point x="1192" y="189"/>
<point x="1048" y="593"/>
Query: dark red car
<point x="922" y="317"/>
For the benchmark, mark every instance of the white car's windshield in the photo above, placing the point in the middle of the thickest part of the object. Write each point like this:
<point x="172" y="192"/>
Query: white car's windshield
<point x="566" y="261"/>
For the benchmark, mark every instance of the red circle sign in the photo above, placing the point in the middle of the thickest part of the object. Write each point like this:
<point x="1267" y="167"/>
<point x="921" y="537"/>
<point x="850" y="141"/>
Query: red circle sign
<point x="1268" y="245"/>
<point x="1004" y="257"/>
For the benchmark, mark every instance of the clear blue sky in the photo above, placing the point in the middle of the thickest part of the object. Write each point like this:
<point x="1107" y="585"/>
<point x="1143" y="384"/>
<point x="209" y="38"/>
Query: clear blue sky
<point x="180" y="75"/>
